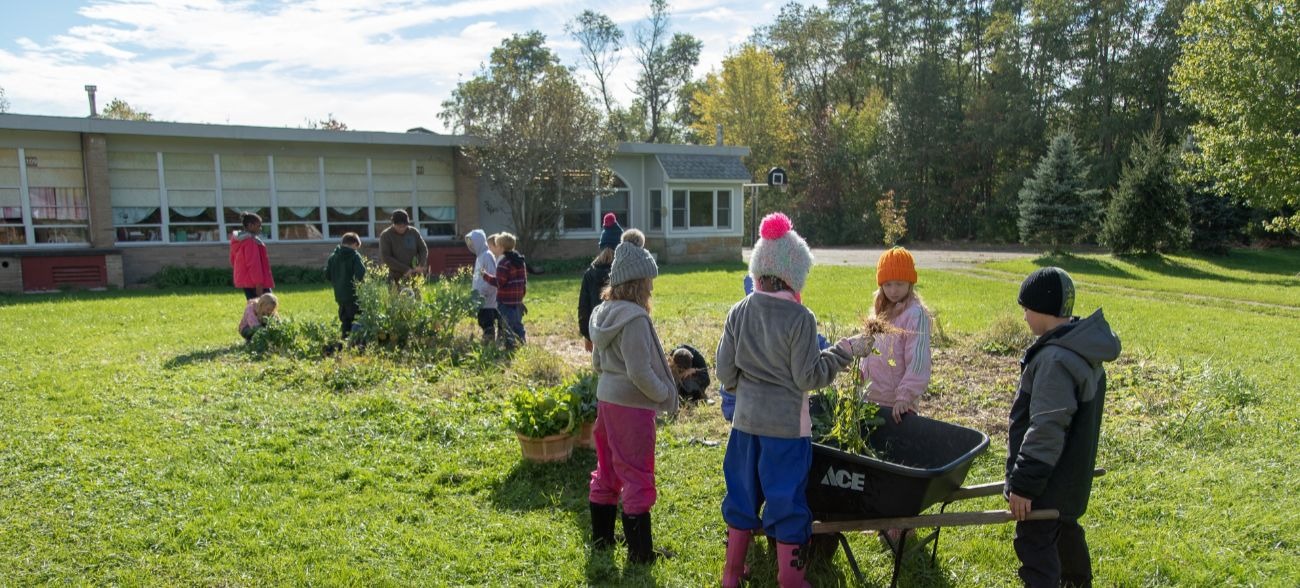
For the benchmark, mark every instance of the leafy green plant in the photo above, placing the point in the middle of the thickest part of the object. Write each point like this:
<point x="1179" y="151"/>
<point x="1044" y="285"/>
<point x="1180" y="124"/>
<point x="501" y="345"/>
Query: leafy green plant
<point x="418" y="313"/>
<point x="541" y="411"/>
<point x="582" y="391"/>
<point x="843" y="418"/>
<point x="290" y="337"/>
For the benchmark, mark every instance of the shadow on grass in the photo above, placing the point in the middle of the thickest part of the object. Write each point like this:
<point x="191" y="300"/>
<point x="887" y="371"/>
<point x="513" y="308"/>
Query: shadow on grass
<point x="203" y="356"/>
<point x="829" y="567"/>
<point x="534" y="486"/>
<point x="1084" y="266"/>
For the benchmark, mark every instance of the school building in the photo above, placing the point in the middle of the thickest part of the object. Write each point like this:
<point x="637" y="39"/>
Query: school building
<point x="91" y="202"/>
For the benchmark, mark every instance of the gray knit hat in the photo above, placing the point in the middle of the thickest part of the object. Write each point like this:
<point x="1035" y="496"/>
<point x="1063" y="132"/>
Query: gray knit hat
<point x="780" y="252"/>
<point x="631" y="262"/>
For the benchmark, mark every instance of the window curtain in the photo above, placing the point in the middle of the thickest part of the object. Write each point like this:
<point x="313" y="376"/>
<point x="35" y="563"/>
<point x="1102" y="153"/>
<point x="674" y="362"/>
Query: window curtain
<point x="130" y="215"/>
<point x="345" y="210"/>
<point x="438" y="213"/>
<point x="188" y="211"/>
<point x="302" y="211"/>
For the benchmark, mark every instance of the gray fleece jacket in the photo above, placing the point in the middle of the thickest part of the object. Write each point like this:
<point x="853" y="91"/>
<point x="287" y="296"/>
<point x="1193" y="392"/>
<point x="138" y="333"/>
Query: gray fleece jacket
<point x="626" y="353"/>
<point x="768" y="357"/>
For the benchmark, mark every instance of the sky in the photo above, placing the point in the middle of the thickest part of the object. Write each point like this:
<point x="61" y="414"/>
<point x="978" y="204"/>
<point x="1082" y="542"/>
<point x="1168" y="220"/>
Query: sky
<point x="380" y="65"/>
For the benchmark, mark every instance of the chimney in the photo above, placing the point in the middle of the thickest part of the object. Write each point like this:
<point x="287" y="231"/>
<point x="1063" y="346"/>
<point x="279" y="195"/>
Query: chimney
<point x="719" y="141"/>
<point x="90" y="93"/>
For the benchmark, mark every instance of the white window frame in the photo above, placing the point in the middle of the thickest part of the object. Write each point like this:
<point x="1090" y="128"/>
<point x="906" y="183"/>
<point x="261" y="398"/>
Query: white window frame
<point x="29" y="222"/>
<point x="713" y="189"/>
<point x="598" y="213"/>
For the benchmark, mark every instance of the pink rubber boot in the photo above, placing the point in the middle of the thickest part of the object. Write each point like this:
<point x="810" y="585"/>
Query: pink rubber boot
<point x="790" y="566"/>
<point x="735" y="569"/>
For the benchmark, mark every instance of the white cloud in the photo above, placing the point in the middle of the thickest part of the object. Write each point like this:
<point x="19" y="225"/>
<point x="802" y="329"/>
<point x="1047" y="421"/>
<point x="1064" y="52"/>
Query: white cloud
<point x="374" y="64"/>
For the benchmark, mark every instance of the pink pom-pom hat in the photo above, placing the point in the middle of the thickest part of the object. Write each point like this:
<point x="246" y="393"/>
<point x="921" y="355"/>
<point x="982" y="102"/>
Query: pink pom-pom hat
<point x="781" y="252"/>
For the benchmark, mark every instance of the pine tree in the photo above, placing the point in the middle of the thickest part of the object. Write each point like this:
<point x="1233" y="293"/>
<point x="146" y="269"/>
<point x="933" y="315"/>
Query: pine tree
<point x="1056" y="207"/>
<point x="1149" y="213"/>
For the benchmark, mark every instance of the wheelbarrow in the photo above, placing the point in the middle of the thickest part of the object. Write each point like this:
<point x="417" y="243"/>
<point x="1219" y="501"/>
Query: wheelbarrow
<point x="919" y="462"/>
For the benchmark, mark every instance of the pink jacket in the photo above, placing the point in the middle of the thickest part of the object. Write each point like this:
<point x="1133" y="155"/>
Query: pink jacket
<point x="248" y="257"/>
<point x="909" y="352"/>
<point x="250" y="316"/>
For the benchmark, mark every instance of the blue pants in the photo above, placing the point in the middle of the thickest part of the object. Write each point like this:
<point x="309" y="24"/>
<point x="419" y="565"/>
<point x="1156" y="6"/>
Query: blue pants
<point x="514" y="317"/>
<point x="771" y="474"/>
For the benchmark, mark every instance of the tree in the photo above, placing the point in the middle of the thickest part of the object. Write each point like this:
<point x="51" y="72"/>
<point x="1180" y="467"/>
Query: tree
<point x="751" y="101"/>
<point x="666" y="65"/>
<point x="1149" y="211"/>
<point x="118" y="109"/>
<point x="542" y="142"/>
<point x="599" y="40"/>
<point x="1240" y="70"/>
<point x="4" y="102"/>
<point x="329" y="124"/>
<point x="1056" y="208"/>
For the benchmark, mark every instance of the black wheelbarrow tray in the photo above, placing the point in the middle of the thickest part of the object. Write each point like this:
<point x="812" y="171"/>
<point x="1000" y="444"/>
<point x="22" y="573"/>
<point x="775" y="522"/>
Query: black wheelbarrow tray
<point x="919" y="462"/>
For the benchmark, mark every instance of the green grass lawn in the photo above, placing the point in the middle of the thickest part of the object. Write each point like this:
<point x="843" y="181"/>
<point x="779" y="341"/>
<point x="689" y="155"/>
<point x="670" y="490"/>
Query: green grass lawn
<point x="139" y="443"/>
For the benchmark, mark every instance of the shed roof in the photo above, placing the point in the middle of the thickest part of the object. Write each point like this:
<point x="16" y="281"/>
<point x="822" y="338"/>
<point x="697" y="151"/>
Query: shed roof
<point x="703" y="167"/>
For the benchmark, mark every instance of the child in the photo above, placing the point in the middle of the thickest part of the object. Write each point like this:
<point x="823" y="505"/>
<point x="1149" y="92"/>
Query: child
<point x="249" y="259"/>
<point x="768" y="357"/>
<point x="477" y="242"/>
<point x="256" y="313"/>
<point x="1055" y="427"/>
<point x="899" y="375"/>
<point x="635" y="382"/>
<point x="691" y="372"/>
<point x="594" y="279"/>
<point x="511" y="281"/>
<point x="344" y="269"/>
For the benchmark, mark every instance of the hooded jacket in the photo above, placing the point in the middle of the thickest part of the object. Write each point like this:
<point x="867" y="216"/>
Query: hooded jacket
<point x="1056" y="416"/>
<point x="626" y="353"/>
<point x="593" y="281"/>
<point x="901" y="369"/>
<point x="250" y="261"/>
<point x="344" y="269"/>
<point x="483" y="260"/>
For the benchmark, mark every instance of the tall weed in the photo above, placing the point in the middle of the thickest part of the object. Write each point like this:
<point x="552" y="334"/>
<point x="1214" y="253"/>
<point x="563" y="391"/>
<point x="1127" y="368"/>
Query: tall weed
<point x="1006" y="335"/>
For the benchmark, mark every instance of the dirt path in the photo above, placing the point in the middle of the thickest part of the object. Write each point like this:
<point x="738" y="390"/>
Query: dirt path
<point x="931" y="257"/>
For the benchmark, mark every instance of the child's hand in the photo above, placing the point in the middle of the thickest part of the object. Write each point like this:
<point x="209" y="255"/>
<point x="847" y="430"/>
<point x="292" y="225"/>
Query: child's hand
<point x="857" y="345"/>
<point x="1019" y="506"/>
<point x="901" y="408"/>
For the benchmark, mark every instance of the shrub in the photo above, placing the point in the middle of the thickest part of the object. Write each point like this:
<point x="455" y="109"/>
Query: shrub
<point x="418" y="313"/>
<point x="294" y="338"/>
<point x="1006" y="335"/>
<point x="541" y="411"/>
<point x="533" y="363"/>
<point x="221" y="277"/>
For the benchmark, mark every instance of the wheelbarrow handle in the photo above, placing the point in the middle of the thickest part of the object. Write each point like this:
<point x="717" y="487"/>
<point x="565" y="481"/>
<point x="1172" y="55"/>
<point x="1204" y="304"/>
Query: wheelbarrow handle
<point x="992" y="489"/>
<point x="947" y="519"/>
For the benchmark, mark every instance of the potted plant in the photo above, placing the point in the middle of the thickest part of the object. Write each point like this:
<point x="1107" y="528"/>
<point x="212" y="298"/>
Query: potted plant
<point x="582" y="396"/>
<point x="543" y="419"/>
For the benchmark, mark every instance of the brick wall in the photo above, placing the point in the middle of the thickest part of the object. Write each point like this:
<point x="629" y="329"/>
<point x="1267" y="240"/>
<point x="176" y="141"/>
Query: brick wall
<point x="11" y="275"/>
<point x="94" y="157"/>
<point x="113" y="265"/>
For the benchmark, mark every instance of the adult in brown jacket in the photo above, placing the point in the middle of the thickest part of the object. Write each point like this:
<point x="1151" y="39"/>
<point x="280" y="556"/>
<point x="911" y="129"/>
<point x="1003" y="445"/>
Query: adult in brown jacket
<point x="402" y="249"/>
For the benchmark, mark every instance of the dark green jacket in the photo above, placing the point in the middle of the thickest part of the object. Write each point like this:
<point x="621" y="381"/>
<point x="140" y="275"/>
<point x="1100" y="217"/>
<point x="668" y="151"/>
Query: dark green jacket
<point x="343" y="269"/>
<point x="1056" y="416"/>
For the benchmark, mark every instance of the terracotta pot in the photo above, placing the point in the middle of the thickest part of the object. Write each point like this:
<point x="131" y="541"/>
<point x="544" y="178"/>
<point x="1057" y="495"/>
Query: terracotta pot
<point x="551" y="448"/>
<point x="583" y="437"/>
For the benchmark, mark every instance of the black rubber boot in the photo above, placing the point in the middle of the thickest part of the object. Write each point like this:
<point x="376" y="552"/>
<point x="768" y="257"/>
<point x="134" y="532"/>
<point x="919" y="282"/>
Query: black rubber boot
<point x="602" y="525"/>
<point x="640" y="542"/>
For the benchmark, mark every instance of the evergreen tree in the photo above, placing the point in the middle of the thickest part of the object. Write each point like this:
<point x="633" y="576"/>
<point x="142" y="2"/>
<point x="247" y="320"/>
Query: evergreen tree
<point x="1217" y="222"/>
<point x="1149" y="212"/>
<point x="1056" y="207"/>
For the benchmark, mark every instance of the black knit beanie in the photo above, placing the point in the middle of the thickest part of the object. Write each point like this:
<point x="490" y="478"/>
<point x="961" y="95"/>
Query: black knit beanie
<point x="1049" y="291"/>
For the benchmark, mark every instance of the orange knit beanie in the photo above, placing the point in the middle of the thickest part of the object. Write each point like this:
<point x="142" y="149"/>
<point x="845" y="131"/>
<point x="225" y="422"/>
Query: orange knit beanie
<point x="895" y="264"/>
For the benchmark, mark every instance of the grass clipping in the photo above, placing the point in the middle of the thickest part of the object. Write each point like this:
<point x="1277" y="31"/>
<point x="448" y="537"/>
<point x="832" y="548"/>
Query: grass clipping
<point x="844" y="418"/>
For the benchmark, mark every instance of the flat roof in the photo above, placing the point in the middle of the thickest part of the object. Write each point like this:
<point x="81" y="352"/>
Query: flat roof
<point x="67" y="124"/>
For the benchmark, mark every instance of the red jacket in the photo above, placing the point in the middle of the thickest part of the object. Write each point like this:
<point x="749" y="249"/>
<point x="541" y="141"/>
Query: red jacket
<point x="248" y="257"/>
<point x="511" y="278"/>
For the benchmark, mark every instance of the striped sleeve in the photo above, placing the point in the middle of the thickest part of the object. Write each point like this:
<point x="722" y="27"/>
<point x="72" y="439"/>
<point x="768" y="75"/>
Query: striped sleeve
<point x="916" y="351"/>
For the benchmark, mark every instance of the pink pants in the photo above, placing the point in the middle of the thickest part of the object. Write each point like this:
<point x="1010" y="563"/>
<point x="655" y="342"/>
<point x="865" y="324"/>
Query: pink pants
<point x="625" y="457"/>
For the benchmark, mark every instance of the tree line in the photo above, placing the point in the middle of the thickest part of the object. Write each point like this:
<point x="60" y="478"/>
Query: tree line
<point x="1172" y="111"/>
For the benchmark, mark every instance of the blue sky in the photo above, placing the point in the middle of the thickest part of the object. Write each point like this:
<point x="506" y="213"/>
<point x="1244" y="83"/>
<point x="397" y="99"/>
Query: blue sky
<point x="374" y="64"/>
